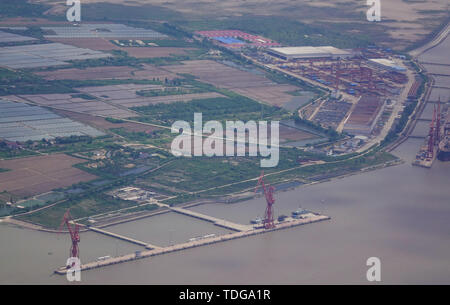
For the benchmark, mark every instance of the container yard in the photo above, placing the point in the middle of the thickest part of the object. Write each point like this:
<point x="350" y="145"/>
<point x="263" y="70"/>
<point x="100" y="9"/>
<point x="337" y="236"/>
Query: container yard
<point x="365" y="115"/>
<point x="367" y="88"/>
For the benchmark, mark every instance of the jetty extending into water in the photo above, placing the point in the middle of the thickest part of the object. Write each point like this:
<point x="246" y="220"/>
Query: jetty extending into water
<point x="153" y="250"/>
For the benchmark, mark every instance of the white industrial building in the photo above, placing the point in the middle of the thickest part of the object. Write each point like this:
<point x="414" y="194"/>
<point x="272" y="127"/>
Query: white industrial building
<point x="387" y="64"/>
<point x="288" y="53"/>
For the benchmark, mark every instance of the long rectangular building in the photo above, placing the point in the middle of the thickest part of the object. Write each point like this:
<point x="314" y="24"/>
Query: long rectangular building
<point x="289" y="53"/>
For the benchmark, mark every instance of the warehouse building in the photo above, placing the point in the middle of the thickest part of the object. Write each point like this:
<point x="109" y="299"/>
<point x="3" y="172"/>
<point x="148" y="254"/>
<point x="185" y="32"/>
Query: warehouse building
<point x="290" y="53"/>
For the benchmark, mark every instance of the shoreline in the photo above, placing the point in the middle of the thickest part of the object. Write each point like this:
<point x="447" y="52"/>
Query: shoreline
<point x="37" y="227"/>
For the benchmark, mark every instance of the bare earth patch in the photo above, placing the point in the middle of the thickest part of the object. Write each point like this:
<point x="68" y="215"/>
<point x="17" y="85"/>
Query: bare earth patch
<point x="36" y="175"/>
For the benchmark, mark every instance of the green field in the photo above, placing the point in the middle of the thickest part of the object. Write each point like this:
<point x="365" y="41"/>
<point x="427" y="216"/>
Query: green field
<point x="220" y="108"/>
<point x="96" y="204"/>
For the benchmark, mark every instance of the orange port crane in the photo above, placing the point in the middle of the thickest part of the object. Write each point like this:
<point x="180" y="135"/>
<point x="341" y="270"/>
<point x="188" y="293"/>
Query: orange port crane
<point x="438" y="124"/>
<point x="268" y="193"/>
<point x="431" y="136"/>
<point x="74" y="230"/>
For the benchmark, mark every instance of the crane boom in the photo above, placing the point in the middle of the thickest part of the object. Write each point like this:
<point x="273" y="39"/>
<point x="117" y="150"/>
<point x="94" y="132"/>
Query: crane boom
<point x="268" y="193"/>
<point x="74" y="234"/>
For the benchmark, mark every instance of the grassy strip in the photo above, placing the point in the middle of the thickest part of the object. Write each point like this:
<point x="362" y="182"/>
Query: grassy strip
<point x="95" y="204"/>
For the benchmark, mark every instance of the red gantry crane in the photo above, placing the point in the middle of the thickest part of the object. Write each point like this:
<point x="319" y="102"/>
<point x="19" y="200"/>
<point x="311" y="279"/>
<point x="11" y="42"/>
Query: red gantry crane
<point x="438" y="124"/>
<point x="268" y="193"/>
<point x="431" y="136"/>
<point x="74" y="234"/>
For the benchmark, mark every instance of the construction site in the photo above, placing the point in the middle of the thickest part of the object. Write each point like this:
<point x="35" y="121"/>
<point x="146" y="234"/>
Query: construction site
<point x="230" y="230"/>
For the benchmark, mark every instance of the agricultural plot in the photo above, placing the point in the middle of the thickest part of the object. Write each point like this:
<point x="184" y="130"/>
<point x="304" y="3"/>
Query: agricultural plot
<point x="37" y="175"/>
<point x="75" y="103"/>
<point x="22" y="122"/>
<point x="6" y="37"/>
<point x="42" y="200"/>
<point x="126" y="95"/>
<point x="114" y="72"/>
<point x="44" y="55"/>
<point x="100" y="44"/>
<point x="156" y="51"/>
<point x="109" y="30"/>
<point x="291" y="135"/>
<point x="245" y="83"/>
<point x="103" y="124"/>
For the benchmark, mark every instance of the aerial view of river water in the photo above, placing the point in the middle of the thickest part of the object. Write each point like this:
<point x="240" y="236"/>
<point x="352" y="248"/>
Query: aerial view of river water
<point x="399" y="214"/>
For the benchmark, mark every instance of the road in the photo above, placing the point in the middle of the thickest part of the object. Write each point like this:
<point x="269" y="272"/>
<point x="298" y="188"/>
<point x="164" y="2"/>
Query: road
<point x="437" y="40"/>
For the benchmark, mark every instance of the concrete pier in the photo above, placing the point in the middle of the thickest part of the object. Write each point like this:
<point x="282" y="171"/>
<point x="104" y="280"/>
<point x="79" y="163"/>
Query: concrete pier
<point x="125" y="238"/>
<point x="216" y="221"/>
<point x="290" y="223"/>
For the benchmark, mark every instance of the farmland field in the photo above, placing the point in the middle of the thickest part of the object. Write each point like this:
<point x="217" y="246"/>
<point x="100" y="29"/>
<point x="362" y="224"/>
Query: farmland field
<point x="113" y="72"/>
<point x="36" y="175"/>
<point x="103" y="124"/>
<point x="139" y="52"/>
<point x="75" y="103"/>
<point x="22" y="122"/>
<point x="252" y="85"/>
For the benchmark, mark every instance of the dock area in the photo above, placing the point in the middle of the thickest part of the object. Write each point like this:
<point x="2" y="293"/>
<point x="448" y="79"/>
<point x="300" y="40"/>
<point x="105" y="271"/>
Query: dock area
<point x="216" y="221"/>
<point x="125" y="238"/>
<point x="289" y="223"/>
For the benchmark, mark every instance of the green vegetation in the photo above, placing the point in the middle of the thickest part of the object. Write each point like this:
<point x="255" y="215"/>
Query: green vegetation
<point x="8" y="153"/>
<point x="282" y="29"/>
<point x="91" y="205"/>
<point x="407" y="112"/>
<point x="14" y="8"/>
<point x="83" y="96"/>
<point x="116" y="12"/>
<point x="114" y="121"/>
<point x="121" y="58"/>
<point x="22" y="82"/>
<point x="220" y="108"/>
<point x="332" y="134"/>
<point x="31" y="31"/>
<point x="394" y="132"/>
<point x="106" y="82"/>
<point x="123" y="162"/>
<point x="169" y="91"/>
<point x="141" y="208"/>
<point x="159" y="138"/>
<point x="19" y="82"/>
<point x="186" y="176"/>
<point x="70" y="144"/>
